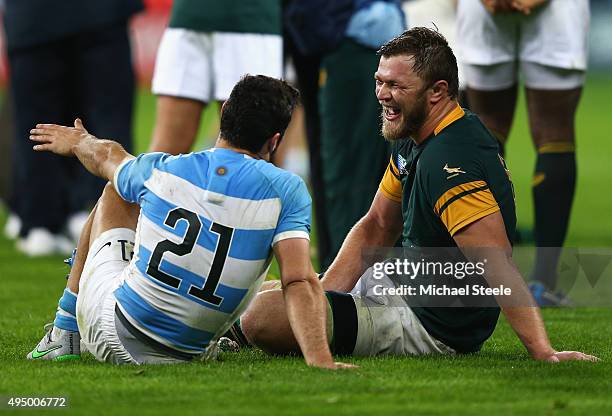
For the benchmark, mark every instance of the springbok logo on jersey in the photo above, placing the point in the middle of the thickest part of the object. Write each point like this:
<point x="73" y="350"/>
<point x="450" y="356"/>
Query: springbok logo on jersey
<point x="452" y="171"/>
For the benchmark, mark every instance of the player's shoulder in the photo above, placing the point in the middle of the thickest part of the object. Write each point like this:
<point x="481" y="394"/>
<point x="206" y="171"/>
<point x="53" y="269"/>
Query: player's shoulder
<point x="168" y="161"/>
<point x="464" y="140"/>
<point x="189" y="166"/>
<point x="468" y="131"/>
<point x="280" y="180"/>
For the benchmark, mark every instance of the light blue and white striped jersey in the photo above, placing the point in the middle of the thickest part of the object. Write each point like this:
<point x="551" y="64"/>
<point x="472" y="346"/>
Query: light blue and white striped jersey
<point x="207" y="224"/>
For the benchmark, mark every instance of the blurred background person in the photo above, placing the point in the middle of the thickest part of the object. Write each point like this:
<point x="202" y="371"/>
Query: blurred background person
<point x="207" y="47"/>
<point x="6" y="153"/>
<point x="441" y="15"/>
<point x="305" y="41"/>
<point x="546" y="42"/>
<point x="6" y="139"/>
<point x="66" y="58"/>
<point x="345" y="35"/>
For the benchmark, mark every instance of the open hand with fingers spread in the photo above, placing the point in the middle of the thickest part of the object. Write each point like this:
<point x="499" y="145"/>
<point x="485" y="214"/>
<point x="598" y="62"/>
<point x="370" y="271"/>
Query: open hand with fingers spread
<point x="58" y="139"/>
<point x="558" y="356"/>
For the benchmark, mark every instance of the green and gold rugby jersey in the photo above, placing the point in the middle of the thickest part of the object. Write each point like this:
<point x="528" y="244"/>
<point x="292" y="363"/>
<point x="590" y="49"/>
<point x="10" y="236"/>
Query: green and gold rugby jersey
<point x="235" y="16"/>
<point x="453" y="178"/>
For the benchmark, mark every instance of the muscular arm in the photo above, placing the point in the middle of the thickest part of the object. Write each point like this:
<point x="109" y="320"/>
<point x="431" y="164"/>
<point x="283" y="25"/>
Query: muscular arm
<point x="380" y="227"/>
<point x="304" y="300"/>
<point x="100" y="157"/>
<point x="520" y="310"/>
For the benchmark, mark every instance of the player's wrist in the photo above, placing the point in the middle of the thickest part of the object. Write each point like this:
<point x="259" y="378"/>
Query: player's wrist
<point x="542" y="353"/>
<point x="322" y="364"/>
<point x="321" y="358"/>
<point x="81" y="140"/>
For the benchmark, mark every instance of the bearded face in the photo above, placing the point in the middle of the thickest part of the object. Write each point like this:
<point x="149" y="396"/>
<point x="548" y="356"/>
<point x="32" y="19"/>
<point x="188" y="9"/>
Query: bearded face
<point x="403" y="120"/>
<point x="403" y="97"/>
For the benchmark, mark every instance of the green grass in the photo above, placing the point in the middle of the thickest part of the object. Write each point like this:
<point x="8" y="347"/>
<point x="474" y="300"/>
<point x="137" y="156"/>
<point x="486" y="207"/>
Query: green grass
<point x="499" y="380"/>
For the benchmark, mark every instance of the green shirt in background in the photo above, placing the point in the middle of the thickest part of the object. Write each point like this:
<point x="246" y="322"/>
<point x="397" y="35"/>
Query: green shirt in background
<point x="237" y="16"/>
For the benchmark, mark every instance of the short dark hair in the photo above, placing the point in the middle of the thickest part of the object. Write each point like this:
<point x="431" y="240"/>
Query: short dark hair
<point x="258" y="107"/>
<point x="433" y="58"/>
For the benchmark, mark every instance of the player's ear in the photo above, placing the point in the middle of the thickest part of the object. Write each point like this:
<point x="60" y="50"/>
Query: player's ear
<point x="439" y="90"/>
<point x="270" y="147"/>
<point x="274" y="142"/>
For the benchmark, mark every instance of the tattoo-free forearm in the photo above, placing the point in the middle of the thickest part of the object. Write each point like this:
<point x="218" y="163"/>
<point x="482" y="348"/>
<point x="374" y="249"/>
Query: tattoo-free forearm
<point x="100" y="157"/>
<point x="348" y="266"/>
<point x="528" y="325"/>
<point x="519" y="308"/>
<point x="306" y="310"/>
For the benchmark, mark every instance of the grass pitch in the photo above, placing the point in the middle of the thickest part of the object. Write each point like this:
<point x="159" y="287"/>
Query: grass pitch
<point x="499" y="380"/>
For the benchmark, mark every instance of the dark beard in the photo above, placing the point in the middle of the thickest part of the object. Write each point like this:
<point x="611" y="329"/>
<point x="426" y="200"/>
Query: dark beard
<point x="412" y="122"/>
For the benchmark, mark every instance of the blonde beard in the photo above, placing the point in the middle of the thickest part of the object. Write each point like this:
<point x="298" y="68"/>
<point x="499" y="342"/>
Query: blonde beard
<point x="392" y="132"/>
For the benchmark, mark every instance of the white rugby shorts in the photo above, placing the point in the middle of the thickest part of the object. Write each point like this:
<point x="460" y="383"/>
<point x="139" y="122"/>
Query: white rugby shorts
<point x="387" y="325"/>
<point x="95" y="310"/>
<point x="205" y="66"/>
<point x="549" y="46"/>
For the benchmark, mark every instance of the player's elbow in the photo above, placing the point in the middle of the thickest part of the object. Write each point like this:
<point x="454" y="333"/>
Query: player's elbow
<point x="302" y="280"/>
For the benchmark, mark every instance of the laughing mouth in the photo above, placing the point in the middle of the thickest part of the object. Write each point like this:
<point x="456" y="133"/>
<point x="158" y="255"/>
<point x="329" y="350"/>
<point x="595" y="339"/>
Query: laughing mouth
<point x="391" y="113"/>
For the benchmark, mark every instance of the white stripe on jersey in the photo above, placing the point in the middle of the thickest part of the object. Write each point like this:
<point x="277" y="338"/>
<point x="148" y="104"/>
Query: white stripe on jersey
<point x="179" y="307"/>
<point x="290" y="234"/>
<point x="233" y="212"/>
<point x="200" y="259"/>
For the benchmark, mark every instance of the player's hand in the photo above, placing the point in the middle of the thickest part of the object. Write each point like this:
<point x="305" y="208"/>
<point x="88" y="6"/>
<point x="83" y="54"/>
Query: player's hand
<point x="498" y="6"/>
<point x="526" y="6"/>
<point x="345" y="366"/>
<point x="58" y="139"/>
<point x="558" y="356"/>
<point x="335" y="366"/>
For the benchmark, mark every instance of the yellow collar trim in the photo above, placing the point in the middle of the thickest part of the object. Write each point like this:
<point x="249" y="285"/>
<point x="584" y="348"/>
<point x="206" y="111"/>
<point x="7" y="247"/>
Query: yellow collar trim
<point x="450" y="118"/>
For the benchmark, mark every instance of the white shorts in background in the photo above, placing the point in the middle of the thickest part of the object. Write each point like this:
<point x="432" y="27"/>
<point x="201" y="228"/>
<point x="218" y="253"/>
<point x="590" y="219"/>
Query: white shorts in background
<point x="95" y="310"/>
<point x="206" y="66"/>
<point x="553" y="36"/>
<point x="436" y="14"/>
<point x="387" y="325"/>
<point x="541" y="77"/>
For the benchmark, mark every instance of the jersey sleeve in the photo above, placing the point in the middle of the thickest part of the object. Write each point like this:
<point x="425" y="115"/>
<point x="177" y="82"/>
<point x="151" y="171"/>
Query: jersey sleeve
<point x="458" y="191"/>
<point x="295" y="216"/>
<point x="390" y="185"/>
<point x="131" y="175"/>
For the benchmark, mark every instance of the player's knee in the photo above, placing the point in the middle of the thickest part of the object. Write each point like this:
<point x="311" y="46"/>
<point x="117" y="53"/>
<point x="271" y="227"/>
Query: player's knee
<point x="252" y="322"/>
<point x="109" y="193"/>
<point x="114" y="212"/>
<point x="259" y="323"/>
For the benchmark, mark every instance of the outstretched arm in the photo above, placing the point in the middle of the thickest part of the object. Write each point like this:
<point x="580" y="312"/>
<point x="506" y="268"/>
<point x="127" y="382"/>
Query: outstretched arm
<point x="100" y="157"/>
<point x="520" y="310"/>
<point x="305" y="302"/>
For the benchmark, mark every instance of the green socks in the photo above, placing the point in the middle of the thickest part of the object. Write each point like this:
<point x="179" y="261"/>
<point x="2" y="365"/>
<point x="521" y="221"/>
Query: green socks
<point x="554" y="183"/>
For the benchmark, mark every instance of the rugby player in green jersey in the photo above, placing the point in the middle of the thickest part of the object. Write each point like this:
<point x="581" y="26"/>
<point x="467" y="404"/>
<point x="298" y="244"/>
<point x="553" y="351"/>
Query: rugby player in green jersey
<point x="446" y="186"/>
